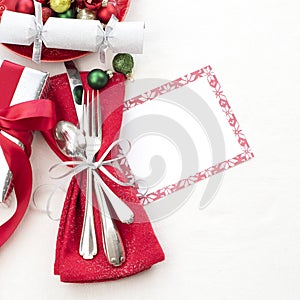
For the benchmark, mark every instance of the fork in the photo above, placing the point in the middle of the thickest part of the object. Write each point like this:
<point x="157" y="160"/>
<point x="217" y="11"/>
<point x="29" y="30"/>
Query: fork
<point x="112" y="243"/>
<point x="88" y="240"/>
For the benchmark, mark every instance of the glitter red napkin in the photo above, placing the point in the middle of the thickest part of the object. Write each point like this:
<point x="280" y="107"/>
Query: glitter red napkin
<point x="141" y="245"/>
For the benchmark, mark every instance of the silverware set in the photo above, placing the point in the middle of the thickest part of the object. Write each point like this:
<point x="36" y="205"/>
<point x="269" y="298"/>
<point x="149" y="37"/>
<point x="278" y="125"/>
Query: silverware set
<point x="91" y="126"/>
<point x="83" y="143"/>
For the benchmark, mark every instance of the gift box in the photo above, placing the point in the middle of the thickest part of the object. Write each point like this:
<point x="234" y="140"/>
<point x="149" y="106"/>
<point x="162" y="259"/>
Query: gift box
<point x="20" y="114"/>
<point x="31" y="85"/>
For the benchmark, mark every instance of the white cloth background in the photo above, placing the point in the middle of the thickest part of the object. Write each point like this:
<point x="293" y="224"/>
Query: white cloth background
<point x="246" y="244"/>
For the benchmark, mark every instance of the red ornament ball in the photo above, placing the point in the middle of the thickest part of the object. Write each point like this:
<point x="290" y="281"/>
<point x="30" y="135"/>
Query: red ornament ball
<point x="43" y="2"/>
<point x="47" y="12"/>
<point x="93" y="4"/>
<point x="25" y="7"/>
<point x="80" y="4"/>
<point x="104" y="13"/>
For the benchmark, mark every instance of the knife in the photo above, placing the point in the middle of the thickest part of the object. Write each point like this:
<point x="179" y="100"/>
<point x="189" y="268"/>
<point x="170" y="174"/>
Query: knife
<point x="88" y="240"/>
<point x="76" y="87"/>
<point x="123" y="212"/>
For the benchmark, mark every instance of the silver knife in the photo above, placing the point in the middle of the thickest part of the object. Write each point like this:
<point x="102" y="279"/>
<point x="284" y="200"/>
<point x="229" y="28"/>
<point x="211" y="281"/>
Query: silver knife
<point x="76" y="87"/>
<point x="88" y="240"/>
<point x="123" y="212"/>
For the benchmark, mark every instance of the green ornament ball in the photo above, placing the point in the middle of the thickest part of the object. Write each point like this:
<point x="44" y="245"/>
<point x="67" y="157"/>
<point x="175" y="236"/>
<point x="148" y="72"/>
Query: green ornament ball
<point x="77" y="93"/>
<point x="97" y="79"/>
<point x="123" y="63"/>
<point x="69" y="14"/>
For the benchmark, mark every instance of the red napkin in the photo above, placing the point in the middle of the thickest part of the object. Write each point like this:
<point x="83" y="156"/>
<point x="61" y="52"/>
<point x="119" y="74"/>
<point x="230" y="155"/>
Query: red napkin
<point x="141" y="245"/>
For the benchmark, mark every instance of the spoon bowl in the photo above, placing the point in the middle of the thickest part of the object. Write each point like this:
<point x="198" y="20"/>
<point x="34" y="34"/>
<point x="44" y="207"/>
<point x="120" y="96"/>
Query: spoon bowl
<point x="70" y="140"/>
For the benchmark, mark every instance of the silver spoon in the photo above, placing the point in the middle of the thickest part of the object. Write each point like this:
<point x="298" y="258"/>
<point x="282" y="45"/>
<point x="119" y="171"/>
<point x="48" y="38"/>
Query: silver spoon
<point x="72" y="143"/>
<point x="70" y="140"/>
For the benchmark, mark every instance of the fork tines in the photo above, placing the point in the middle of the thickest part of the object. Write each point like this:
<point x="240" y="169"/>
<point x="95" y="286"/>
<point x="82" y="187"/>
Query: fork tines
<point x="91" y="118"/>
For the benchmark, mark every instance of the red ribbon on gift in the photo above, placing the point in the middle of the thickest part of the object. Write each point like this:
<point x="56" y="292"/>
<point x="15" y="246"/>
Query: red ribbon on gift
<point x="141" y="245"/>
<point x="19" y="120"/>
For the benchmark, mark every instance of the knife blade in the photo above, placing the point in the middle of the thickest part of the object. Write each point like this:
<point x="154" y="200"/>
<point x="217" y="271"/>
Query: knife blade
<point x="76" y="87"/>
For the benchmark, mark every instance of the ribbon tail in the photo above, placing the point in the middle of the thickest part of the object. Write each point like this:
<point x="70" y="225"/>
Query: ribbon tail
<point x="37" y="51"/>
<point x="103" y="54"/>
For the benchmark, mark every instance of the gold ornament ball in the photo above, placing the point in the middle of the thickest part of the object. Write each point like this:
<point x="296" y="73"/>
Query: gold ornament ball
<point x="86" y="14"/>
<point x="60" y="6"/>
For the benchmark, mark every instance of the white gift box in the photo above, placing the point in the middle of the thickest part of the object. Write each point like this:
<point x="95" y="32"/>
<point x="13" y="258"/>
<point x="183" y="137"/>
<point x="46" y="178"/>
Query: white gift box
<point x="32" y="85"/>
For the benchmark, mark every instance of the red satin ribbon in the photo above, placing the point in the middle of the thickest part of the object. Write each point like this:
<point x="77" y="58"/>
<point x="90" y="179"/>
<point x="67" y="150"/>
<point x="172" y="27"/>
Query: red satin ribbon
<point x="10" y="75"/>
<point x="19" y="120"/>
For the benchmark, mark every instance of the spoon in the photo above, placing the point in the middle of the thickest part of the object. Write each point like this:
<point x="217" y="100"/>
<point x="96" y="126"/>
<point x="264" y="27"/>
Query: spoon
<point x="71" y="142"/>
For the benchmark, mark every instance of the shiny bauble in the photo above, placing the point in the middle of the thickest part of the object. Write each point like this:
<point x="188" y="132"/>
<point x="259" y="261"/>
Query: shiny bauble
<point x="47" y="12"/>
<point x="60" y="6"/>
<point x="93" y="4"/>
<point x="43" y="2"/>
<point x="97" y="79"/>
<point x="104" y="13"/>
<point x="69" y="14"/>
<point x="25" y="7"/>
<point x="123" y="63"/>
<point x="77" y="93"/>
<point x="79" y="4"/>
<point x="86" y="14"/>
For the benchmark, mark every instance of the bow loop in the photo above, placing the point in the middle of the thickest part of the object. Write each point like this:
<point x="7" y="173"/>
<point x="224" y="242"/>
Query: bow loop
<point x="99" y="170"/>
<point x="108" y="34"/>
<point x="84" y="164"/>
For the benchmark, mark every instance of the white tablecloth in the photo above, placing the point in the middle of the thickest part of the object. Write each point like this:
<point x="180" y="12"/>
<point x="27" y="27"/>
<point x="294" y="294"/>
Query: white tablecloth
<point x="246" y="244"/>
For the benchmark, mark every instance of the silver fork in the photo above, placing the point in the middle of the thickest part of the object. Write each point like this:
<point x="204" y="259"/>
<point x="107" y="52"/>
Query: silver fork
<point x="88" y="241"/>
<point x="112" y="243"/>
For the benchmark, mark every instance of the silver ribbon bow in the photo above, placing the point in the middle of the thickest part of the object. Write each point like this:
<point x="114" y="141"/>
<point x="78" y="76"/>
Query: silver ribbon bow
<point x="108" y="35"/>
<point x="122" y="210"/>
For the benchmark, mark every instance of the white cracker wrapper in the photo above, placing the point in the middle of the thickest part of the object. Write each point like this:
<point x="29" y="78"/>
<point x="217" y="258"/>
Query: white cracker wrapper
<point x="73" y="34"/>
<point x="31" y="86"/>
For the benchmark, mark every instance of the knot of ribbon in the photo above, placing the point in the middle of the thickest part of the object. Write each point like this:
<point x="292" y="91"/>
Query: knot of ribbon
<point x="108" y="34"/>
<point x="19" y="120"/>
<point x="83" y="164"/>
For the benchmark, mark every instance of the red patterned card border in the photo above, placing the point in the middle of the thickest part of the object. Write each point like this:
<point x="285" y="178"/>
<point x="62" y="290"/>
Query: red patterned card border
<point x="208" y="74"/>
